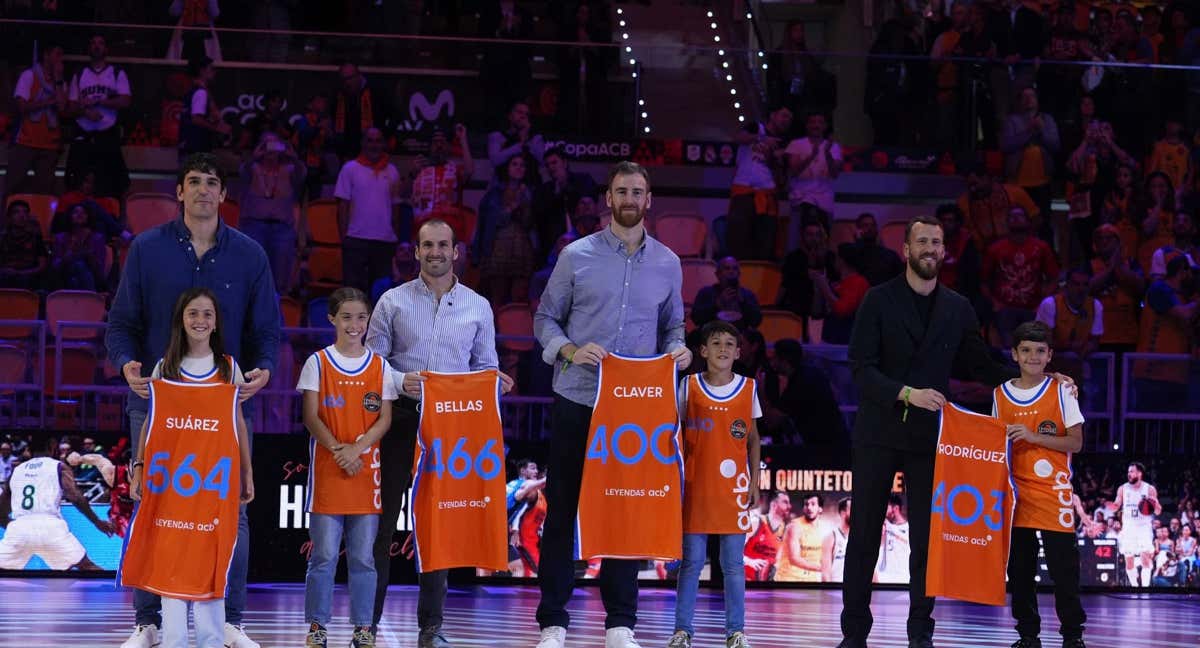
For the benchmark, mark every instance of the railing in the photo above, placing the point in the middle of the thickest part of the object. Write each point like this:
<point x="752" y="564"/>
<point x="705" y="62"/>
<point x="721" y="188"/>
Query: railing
<point x="30" y="381"/>
<point x="1160" y="403"/>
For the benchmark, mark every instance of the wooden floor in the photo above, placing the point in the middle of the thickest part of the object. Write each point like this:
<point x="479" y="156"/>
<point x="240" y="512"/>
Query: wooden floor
<point x="92" y="613"/>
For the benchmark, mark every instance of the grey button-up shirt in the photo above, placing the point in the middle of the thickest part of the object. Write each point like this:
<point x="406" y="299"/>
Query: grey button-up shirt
<point x="627" y="303"/>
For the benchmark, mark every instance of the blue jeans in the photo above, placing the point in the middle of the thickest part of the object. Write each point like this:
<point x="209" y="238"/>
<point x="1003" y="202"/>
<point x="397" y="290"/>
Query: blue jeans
<point x="148" y="608"/>
<point x="326" y="534"/>
<point x="278" y="240"/>
<point x="694" y="549"/>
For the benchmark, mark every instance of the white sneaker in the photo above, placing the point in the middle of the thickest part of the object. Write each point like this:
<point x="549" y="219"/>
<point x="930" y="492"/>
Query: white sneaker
<point x="235" y="637"/>
<point x="620" y="638"/>
<point x="144" y="636"/>
<point x="553" y="637"/>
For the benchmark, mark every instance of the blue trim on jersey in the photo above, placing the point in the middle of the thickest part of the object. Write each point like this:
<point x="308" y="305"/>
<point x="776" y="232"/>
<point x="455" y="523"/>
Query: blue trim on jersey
<point x="736" y="390"/>
<point x="312" y="460"/>
<point x="416" y="484"/>
<point x="348" y="372"/>
<point x="1016" y="401"/>
<point x="198" y="378"/>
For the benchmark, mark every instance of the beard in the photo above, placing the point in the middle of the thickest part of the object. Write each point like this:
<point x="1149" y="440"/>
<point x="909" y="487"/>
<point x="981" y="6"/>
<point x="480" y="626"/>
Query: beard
<point x="923" y="270"/>
<point x="628" y="217"/>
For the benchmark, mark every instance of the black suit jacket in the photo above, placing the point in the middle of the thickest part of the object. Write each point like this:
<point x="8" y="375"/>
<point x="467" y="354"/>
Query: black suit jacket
<point x="889" y="350"/>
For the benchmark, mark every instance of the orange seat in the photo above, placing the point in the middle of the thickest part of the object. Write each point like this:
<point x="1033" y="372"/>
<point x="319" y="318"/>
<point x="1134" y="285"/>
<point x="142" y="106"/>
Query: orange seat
<point x="14" y="363"/>
<point x="781" y="325"/>
<point x="461" y="219"/>
<point x="892" y="237"/>
<point x="17" y="304"/>
<point x="41" y="206"/>
<point x="697" y="273"/>
<point x="762" y="278"/>
<point x="76" y="306"/>
<point x="79" y="366"/>
<point x="230" y="212"/>
<point x="324" y="270"/>
<point x="321" y="216"/>
<point x="291" y="309"/>
<point x="688" y="324"/>
<point x="843" y="232"/>
<point x="684" y="233"/>
<point x="515" y="319"/>
<point x="145" y="211"/>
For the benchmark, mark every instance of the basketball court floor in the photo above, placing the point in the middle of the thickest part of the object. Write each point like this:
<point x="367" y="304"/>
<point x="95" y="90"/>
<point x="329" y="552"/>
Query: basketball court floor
<point x="92" y="613"/>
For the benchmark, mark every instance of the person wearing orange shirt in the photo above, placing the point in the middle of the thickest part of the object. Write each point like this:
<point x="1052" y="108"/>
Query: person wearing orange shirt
<point x="1044" y="426"/>
<point x="1171" y="155"/>
<point x="41" y="96"/>
<point x="986" y="204"/>
<point x="1118" y="284"/>
<point x="1030" y="143"/>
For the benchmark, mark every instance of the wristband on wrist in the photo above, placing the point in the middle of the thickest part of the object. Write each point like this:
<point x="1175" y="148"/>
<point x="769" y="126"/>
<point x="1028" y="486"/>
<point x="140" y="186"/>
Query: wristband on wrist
<point x="907" y="393"/>
<point x="138" y="464"/>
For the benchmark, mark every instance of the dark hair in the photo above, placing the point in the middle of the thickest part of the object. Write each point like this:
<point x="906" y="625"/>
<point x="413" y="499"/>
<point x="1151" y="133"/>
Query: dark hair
<point x="201" y="163"/>
<point x="626" y="167"/>
<point x="790" y="351"/>
<point x="717" y="327"/>
<point x="849" y="254"/>
<point x="197" y="65"/>
<point x="177" y="347"/>
<point x="843" y="504"/>
<point x="895" y="499"/>
<point x="865" y="215"/>
<point x="1079" y="269"/>
<point x="346" y="294"/>
<point x="1177" y="265"/>
<point x="435" y="222"/>
<point x="557" y="151"/>
<point x="45" y="47"/>
<point x="923" y="220"/>
<point x="1139" y="465"/>
<point x="1169" y="201"/>
<point x="521" y="463"/>
<point x="945" y="209"/>
<point x="809" y="495"/>
<point x="17" y="203"/>
<point x="1031" y="331"/>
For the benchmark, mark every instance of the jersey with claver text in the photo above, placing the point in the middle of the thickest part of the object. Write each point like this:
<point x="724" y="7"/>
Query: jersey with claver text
<point x="1042" y="477"/>
<point x="458" y="514"/>
<point x="35" y="488"/>
<point x="630" y="499"/>
<point x="716" y="475"/>
<point x="183" y="533"/>
<point x="971" y="513"/>
<point x="350" y="400"/>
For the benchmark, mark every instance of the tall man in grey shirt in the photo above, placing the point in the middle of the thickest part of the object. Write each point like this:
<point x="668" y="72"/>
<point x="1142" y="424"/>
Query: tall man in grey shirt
<point x="616" y="290"/>
<point x="432" y="323"/>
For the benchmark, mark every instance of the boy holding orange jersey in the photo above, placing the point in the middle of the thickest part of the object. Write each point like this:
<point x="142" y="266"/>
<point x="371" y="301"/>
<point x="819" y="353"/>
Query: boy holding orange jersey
<point x="1044" y="427"/>
<point x="721" y="462"/>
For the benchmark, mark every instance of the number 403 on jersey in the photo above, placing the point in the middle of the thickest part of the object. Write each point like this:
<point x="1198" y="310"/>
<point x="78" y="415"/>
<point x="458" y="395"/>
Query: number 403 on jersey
<point x="964" y="505"/>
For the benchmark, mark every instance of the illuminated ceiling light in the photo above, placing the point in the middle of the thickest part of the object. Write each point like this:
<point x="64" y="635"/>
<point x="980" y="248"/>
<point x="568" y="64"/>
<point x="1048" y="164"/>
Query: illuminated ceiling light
<point x="624" y="36"/>
<point x="716" y="39"/>
<point x="622" y="23"/>
<point x="641" y="102"/>
<point x="634" y="74"/>
<point x="644" y="115"/>
<point x="741" y="118"/>
<point x="620" y="11"/>
<point x="720" y="52"/>
<point x="712" y="25"/>
<point x="633" y="61"/>
<point x="760" y="54"/>
<point x="646" y="129"/>
<point x="710" y="14"/>
<point x="628" y="49"/>
<point x="732" y="91"/>
<point x="748" y="16"/>
<point x="737" y="104"/>
<point x="725" y="64"/>
<point x="764" y="66"/>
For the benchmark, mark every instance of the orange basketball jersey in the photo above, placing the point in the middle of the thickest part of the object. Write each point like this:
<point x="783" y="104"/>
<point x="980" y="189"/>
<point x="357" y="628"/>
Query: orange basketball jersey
<point x="971" y="514"/>
<point x="1041" y="477"/>
<point x="630" y="498"/>
<point x="181" y="540"/>
<point x="458" y="512"/>
<point x="213" y="376"/>
<point x="716" y="473"/>
<point x="350" y="400"/>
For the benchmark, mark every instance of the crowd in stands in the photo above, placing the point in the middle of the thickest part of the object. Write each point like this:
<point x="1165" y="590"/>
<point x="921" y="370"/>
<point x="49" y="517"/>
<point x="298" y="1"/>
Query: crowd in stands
<point x="1112" y="272"/>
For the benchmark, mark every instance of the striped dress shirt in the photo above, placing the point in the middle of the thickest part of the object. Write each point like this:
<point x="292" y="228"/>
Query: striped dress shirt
<point x="417" y="332"/>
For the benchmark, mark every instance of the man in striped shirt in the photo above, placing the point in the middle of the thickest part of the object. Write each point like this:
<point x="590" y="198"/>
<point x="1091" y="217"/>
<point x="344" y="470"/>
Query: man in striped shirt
<point x="432" y="323"/>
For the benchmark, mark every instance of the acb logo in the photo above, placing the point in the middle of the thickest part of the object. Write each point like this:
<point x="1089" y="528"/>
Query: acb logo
<point x="336" y="402"/>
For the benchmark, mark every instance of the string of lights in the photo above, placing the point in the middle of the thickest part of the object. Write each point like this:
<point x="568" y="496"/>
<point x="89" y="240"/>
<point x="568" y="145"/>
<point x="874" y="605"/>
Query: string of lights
<point x="725" y="69"/>
<point x="623" y="24"/>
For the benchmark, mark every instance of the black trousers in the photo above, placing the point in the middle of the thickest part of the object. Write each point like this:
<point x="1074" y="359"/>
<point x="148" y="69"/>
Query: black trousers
<point x="874" y="470"/>
<point x="364" y="262"/>
<point x="99" y="152"/>
<point x="396" y="451"/>
<point x="749" y="234"/>
<point x="1062" y="559"/>
<point x="556" y="571"/>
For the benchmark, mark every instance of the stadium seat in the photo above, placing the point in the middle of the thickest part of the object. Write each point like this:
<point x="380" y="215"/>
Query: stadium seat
<point x="42" y="206"/>
<point x="781" y="325"/>
<point x="14" y="363"/>
<point x="318" y="313"/>
<point x="321" y="216"/>
<point x="145" y="211"/>
<point x="324" y="271"/>
<point x="697" y="273"/>
<point x="762" y="278"/>
<point x="843" y="232"/>
<point x="684" y="233"/>
<point x="17" y="304"/>
<point x="461" y="219"/>
<point x="230" y="212"/>
<point x="892" y="237"/>
<point x="79" y="366"/>
<point x="74" y="306"/>
<point x="292" y="311"/>
<point x="515" y="319"/>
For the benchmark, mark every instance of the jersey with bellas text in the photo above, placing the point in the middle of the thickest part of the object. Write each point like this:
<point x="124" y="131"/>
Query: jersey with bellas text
<point x="350" y="401"/>
<point x="183" y="533"/>
<point x="716" y="472"/>
<point x="1042" y="477"/>
<point x="35" y="488"/>
<point x="630" y="497"/>
<point x="971" y="514"/>
<point x="458" y="514"/>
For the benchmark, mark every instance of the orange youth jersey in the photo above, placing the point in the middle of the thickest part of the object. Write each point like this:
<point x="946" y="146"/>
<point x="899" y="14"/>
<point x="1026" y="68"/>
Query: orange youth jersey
<point x="971" y="514"/>
<point x="1041" y="477"/>
<point x="181" y="540"/>
<point x="632" y="471"/>
<point x="350" y="400"/>
<point x="716" y="475"/>
<point x="458" y="482"/>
